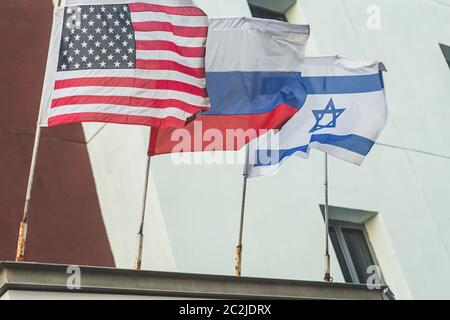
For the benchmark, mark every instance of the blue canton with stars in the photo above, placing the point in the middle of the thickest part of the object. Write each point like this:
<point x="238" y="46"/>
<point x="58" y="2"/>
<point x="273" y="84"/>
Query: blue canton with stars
<point x="97" y="37"/>
<point x="320" y="114"/>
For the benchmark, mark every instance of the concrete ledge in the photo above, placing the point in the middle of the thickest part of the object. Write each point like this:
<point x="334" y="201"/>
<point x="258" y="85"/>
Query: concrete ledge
<point x="94" y="280"/>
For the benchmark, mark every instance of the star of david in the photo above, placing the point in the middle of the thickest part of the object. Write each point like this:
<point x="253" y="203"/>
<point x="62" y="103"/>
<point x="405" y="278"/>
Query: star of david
<point x="320" y="114"/>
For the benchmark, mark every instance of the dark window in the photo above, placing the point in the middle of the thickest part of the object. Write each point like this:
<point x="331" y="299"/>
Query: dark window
<point x="353" y="251"/>
<point x="340" y="256"/>
<point x="266" y="14"/>
<point x="270" y="9"/>
<point x="446" y="51"/>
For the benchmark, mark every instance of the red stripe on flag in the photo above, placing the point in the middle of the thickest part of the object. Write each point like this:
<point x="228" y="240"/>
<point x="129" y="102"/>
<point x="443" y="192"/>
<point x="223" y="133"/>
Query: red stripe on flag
<point x="127" y="101"/>
<point x="162" y="142"/>
<point x="169" y="65"/>
<point x="169" y="122"/>
<point x="132" y="83"/>
<point x="190" y="52"/>
<point x="178" y="11"/>
<point x="193" y="32"/>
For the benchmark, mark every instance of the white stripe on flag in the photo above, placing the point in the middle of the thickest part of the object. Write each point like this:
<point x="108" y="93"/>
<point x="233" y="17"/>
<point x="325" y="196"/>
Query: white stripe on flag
<point x="122" y="110"/>
<point x="132" y="92"/>
<point x="171" y="56"/>
<point x="167" y="36"/>
<point x="132" y="73"/>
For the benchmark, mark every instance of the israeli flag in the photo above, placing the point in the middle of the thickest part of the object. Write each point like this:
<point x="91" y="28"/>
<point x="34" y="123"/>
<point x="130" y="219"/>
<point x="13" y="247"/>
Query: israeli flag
<point x="343" y="115"/>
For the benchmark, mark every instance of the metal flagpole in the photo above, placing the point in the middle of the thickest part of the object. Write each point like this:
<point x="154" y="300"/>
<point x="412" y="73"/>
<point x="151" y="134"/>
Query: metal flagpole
<point x="238" y="264"/>
<point x="21" y="241"/>
<point x="141" y="227"/>
<point x="327" y="277"/>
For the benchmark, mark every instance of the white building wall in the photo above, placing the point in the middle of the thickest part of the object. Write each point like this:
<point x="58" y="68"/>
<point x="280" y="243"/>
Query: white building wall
<point x="194" y="209"/>
<point x="118" y="159"/>
<point x="406" y="177"/>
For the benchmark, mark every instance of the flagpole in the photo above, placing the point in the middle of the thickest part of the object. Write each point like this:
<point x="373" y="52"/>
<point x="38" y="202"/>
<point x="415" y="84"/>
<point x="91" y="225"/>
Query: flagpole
<point x="238" y="263"/>
<point x="327" y="277"/>
<point x="138" y="264"/>
<point x="23" y="229"/>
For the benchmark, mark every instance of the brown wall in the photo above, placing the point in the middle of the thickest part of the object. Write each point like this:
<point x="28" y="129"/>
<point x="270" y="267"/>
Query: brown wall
<point x="65" y="223"/>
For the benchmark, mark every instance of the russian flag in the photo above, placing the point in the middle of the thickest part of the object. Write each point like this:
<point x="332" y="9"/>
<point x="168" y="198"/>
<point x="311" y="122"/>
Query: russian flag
<point x="253" y="83"/>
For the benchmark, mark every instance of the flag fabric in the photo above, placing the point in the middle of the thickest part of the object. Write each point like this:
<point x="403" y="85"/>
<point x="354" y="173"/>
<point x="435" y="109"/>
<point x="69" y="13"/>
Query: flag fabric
<point x="136" y="62"/>
<point x="344" y="113"/>
<point x="252" y="83"/>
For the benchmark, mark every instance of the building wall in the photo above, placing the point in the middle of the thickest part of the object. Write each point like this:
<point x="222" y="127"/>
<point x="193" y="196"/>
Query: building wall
<point x="405" y="179"/>
<point x="193" y="219"/>
<point x="65" y="223"/>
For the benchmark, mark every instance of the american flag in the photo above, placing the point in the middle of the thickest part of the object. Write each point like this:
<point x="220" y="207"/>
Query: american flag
<point x="132" y="63"/>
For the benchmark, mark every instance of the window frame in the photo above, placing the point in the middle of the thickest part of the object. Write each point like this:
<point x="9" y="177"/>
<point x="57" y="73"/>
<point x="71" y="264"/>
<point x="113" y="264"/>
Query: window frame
<point x="338" y="226"/>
